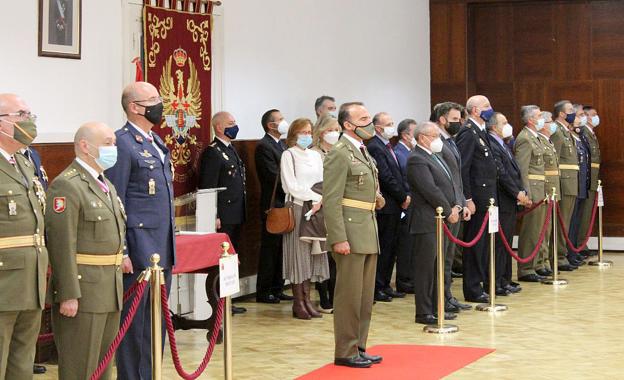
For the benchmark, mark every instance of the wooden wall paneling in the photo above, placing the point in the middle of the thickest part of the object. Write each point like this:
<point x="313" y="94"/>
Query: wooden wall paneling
<point x="607" y="39"/>
<point x="533" y="41"/>
<point x="501" y="96"/>
<point x="572" y="33"/>
<point x="575" y="91"/>
<point x="55" y="157"/>
<point x="442" y="92"/>
<point x="448" y="43"/>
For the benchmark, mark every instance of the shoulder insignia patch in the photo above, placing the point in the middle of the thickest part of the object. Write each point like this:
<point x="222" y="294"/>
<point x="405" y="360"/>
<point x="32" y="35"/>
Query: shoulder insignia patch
<point x="138" y="139"/>
<point x="59" y="204"/>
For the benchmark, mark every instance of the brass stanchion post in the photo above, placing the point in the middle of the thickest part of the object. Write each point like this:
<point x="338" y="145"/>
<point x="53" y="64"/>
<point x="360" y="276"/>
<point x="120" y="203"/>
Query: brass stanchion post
<point x="440" y="328"/>
<point x="555" y="280"/>
<point x="492" y="306"/>
<point x="156" y="280"/>
<point x="227" y="326"/>
<point x="600" y="262"/>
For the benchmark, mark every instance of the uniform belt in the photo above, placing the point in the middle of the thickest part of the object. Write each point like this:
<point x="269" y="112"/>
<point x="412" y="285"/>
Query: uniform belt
<point x="90" y="259"/>
<point x="370" y="206"/>
<point x="551" y="172"/>
<point x="568" y="167"/>
<point x="595" y="166"/>
<point x="35" y="240"/>
<point x="537" y="177"/>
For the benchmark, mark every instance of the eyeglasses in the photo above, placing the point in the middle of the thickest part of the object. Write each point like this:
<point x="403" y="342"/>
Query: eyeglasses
<point x="156" y="99"/>
<point x="22" y="115"/>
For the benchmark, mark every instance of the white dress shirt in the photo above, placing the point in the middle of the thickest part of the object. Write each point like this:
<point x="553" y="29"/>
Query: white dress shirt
<point x="308" y="170"/>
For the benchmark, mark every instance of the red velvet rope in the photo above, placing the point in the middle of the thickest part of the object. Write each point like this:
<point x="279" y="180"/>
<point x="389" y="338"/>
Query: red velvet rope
<point x="44" y="338"/>
<point x="140" y="290"/>
<point x="174" y="348"/>
<point x="528" y="210"/>
<point x="589" y="231"/>
<point x="471" y="243"/>
<point x="539" y="241"/>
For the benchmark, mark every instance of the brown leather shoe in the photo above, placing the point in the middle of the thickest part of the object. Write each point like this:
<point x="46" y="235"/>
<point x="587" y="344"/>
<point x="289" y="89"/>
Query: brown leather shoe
<point x="298" y="307"/>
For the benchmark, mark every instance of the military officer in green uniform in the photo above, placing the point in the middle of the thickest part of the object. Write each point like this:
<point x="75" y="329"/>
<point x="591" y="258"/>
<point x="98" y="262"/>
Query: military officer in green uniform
<point x="529" y="152"/>
<point x="350" y="190"/>
<point x="87" y="222"/>
<point x="565" y="145"/>
<point x="551" y="174"/>
<point x="23" y="255"/>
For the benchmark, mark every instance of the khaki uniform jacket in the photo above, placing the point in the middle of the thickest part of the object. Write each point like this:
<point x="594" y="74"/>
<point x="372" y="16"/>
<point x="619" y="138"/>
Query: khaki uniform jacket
<point x="565" y="146"/>
<point x="82" y="219"/>
<point x="349" y="174"/>
<point x="551" y="166"/>
<point x="529" y="152"/>
<point x="22" y="270"/>
<point x="594" y="150"/>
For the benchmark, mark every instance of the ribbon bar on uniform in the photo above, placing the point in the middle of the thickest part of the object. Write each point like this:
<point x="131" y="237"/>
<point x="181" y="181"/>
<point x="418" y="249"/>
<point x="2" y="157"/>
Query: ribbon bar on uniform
<point x="568" y="167"/>
<point x="370" y="206"/>
<point x="90" y="259"/>
<point x="35" y="240"/>
<point x="551" y="172"/>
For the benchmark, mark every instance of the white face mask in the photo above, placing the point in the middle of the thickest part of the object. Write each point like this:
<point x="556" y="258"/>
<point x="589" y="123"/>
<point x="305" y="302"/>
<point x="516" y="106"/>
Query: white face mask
<point x="436" y="145"/>
<point x="595" y="120"/>
<point x="389" y="132"/>
<point x="331" y="137"/>
<point x="333" y="114"/>
<point x="282" y="127"/>
<point x="413" y="142"/>
<point x="507" y="131"/>
<point x="540" y="124"/>
<point x="583" y="121"/>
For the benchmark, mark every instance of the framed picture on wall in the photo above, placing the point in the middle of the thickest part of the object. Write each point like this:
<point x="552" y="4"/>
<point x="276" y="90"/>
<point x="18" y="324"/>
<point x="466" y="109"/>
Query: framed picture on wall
<point x="60" y="28"/>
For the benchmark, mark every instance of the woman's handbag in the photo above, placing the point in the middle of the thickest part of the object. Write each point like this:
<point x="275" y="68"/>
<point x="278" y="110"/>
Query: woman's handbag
<point x="280" y="220"/>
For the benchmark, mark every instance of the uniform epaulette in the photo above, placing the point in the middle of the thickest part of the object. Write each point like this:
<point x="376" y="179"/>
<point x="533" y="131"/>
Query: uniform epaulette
<point x="123" y="131"/>
<point x="70" y="173"/>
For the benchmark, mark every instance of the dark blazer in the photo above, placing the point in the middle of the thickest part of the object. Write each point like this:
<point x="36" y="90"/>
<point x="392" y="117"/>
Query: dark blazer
<point x="150" y="227"/>
<point x="509" y="178"/>
<point x="451" y="156"/>
<point x="268" y="155"/>
<point x="390" y="177"/>
<point x="402" y="153"/>
<point x="220" y="166"/>
<point x="431" y="188"/>
<point x="478" y="166"/>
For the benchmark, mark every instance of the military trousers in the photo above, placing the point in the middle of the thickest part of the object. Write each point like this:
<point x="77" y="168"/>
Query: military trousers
<point x="18" y="339"/>
<point x="353" y="301"/>
<point x="528" y="237"/>
<point x="82" y="342"/>
<point x="566" y="205"/>
<point x="585" y="217"/>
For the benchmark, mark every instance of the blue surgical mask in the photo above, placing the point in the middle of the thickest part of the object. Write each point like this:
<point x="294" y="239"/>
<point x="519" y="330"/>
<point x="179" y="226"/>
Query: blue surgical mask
<point x="540" y="124"/>
<point x="304" y="141"/>
<point x="487" y="114"/>
<point x="595" y="120"/>
<point x="553" y="128"/>
<point x="107" y="156"/>
<point x="231" y="132"/>
<point x="570" y="117"/>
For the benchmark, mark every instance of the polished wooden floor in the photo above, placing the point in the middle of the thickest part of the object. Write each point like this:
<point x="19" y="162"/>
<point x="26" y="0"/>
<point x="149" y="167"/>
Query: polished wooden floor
<point x="569" y="332"/>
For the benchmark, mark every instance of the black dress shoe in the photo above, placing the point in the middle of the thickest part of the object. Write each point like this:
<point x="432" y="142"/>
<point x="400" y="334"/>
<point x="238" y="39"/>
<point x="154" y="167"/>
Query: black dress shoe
<point x="531" y="278"/>
<point x="462" y="306"/>
<point x="544" y="272"/>
<point x="267" y="298"/>
<point x="449" y="308"/>
<point x="354" y="362"/>
<point x="449" y="316"/>
<point x="284" y="297"/>
<point x="238" y="310"/>
<point x="513" y="289"/>
<point x="394" y="294"/>
<point x="483" y="298"/>
<point x="456" y="274"/>
<point x="426" y="319"/>
<point x="375" y="359"/>
<point x="502" y="292"/>
<point x="382" y="296"/>
<point x="405" y="289"/>
<point x="38" y="369"/>
<point x="567" y="267"/>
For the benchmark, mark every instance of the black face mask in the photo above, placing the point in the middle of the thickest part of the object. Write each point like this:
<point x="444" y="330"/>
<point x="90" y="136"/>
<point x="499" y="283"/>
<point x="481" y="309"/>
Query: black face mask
<point x="453" y="127"/>
<point x="153" y="113"/>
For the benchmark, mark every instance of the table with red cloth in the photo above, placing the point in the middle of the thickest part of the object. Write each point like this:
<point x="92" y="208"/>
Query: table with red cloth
<point x="196" y="253"/>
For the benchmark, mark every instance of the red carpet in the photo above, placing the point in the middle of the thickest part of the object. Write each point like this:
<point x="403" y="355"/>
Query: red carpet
<point x="405" y="362"/>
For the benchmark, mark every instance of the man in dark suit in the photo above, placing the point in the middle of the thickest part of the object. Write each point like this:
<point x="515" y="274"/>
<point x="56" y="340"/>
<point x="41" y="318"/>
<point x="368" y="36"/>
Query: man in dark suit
<point x="479" y="180"/>
<point x="221" y="166"/>
<point x="397" y="199"/>
<point x="431" y="182"/>
<point x="143" y="178"/>
<point x="270" y="284"/>
<point x="402" y="150"/>
<point x="510" y="193"/>
<point x="447" y="116"/>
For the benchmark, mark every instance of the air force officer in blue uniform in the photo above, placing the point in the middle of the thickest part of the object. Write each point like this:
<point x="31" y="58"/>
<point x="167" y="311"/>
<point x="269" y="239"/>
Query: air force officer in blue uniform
<point x="143" y="178"/>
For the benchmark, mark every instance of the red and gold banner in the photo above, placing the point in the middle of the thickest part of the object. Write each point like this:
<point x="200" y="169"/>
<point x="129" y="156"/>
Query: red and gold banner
<point x="178" y="62"/>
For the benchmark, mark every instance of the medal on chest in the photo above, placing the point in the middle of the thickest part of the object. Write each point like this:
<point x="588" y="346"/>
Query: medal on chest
<point x="151" y="187"/>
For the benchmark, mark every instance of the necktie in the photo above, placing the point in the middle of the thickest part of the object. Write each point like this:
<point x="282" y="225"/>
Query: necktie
<point x="389" y="146"/>
<point x="102" y="184"/>
<point x="150" y="138"/>
<point x="12" y="161"/>
<point x="442" y="164"/>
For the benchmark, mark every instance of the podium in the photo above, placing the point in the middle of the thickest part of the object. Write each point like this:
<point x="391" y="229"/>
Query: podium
<point x="196" y="214"/>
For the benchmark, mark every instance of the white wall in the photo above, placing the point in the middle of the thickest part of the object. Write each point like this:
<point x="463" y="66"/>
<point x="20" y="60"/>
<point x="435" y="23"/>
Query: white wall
<point x="266" y="54"/>
<point x="284" y="54"/>
<point x="64" y="93"/>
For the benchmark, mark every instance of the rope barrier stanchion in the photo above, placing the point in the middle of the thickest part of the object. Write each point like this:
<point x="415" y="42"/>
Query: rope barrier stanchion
<point x="157" y="279"/>
<point x="600" y="202"/>
<point x="555" y="280"/>
<point x="440" y="328"/>
<point x="227" y="326"/>
<point x="492" y="306"/>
